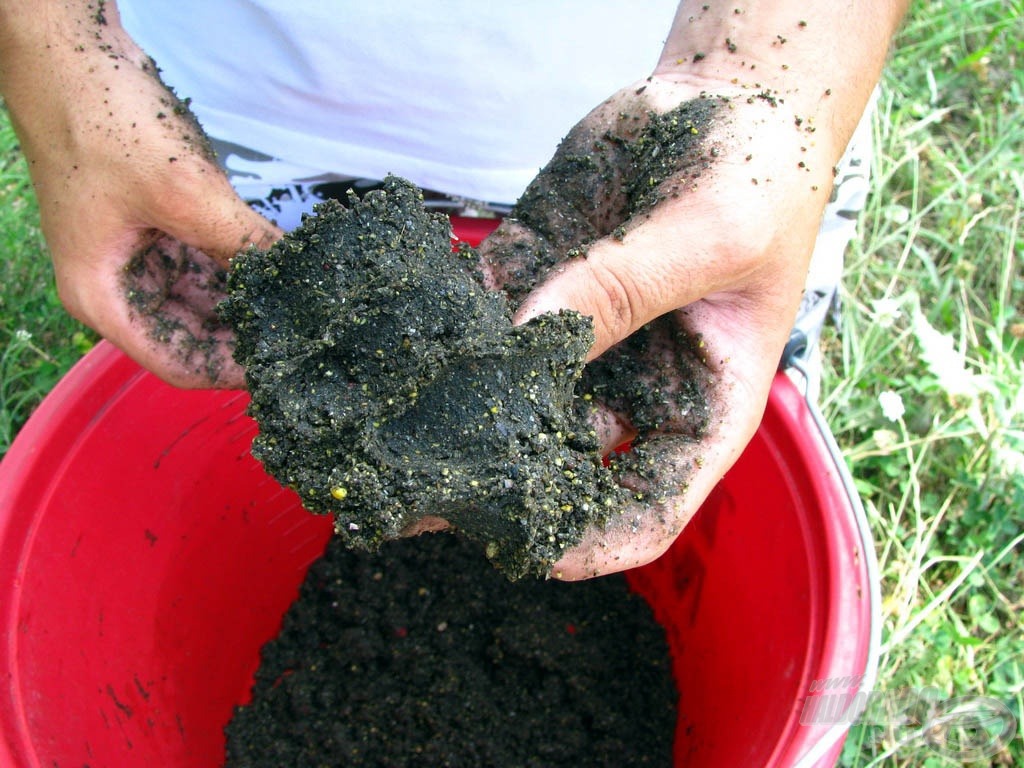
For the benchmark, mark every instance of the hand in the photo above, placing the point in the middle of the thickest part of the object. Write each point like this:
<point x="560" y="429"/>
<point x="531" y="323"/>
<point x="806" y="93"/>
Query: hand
<point x="692" y="282"/>
<point x="139" y="219"/>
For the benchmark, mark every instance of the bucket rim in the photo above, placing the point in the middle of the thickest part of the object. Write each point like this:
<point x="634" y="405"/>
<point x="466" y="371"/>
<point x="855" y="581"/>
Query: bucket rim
<point x="834" y="736"/>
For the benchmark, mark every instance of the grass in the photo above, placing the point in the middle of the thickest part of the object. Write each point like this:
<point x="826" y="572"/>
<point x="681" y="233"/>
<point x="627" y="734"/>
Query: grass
<point x="933" y="320"/>
<point x="933" y="313"/>
<point x="38" y="340"/>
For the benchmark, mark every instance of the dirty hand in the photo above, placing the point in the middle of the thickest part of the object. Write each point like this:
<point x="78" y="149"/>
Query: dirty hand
<point x="688" y="241"/>
<point x="139" y="220"/>
<point x="686" y="237"/>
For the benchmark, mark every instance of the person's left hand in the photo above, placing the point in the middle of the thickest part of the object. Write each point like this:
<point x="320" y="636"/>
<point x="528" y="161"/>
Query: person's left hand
<point x="693" y="292"/>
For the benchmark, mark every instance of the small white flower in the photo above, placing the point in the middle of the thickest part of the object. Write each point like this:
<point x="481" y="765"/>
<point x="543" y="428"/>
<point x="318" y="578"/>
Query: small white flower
<point x="897" y="214"/>
<point x="1009" y="460"/>
<point x="885" y="312"/>
<point x="22" y="335"/>
<point x="885" y="438"/>
<point x="892" y="405"/>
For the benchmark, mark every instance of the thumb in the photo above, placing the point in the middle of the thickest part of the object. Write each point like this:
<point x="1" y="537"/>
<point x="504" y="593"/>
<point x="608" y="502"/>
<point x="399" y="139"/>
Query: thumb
<point x="623" y="283"/>
<point x="223" y="229"/>
<point x="216" y="221"/>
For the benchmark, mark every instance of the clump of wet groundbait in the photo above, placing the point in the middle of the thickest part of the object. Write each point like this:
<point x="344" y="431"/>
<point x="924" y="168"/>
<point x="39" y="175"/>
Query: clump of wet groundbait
<point x="390" y="386"/>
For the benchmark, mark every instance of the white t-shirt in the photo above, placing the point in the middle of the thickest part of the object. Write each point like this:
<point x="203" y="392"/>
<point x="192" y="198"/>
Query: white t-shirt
<point x="465" y="97"/>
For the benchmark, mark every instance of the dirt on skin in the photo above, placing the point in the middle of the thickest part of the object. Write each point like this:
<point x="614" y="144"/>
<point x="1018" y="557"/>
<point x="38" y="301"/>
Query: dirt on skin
<point x="601" y="182"/>
<point x="175" y="290"/>
<point x="423" y="655"/>
<point x="389" y="385"/>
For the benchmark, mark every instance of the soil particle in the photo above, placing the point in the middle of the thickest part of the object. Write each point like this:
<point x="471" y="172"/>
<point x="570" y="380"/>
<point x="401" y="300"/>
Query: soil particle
<point x="423" y="655"/>
<point x="390" y="386"/>
<point x="101" y="13"/>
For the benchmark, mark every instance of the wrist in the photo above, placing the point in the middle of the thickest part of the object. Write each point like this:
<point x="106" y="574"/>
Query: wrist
<point x="820" y="61"/>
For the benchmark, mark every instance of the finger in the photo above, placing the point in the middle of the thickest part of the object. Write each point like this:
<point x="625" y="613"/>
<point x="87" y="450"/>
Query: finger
<point x="665" y="501"/>
<point x="612" y="429"/>
<point x="203" y="211"/>
<point x="625" y="282"/>
<point x="160" y="309"/>
<point x="671" y="475"/>
<point x="171" y="349"/>
<point x="427" y="524"/>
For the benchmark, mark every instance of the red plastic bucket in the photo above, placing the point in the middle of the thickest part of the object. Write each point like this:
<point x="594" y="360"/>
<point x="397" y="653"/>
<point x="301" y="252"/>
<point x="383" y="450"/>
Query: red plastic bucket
<point x="145" y="557"/>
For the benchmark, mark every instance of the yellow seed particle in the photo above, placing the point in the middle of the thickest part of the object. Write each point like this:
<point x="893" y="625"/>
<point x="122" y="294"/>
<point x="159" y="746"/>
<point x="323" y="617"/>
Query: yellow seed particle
<point x="339" y="492"/>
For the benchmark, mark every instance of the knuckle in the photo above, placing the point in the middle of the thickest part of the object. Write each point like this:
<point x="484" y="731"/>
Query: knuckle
<point x="619" y="302"/>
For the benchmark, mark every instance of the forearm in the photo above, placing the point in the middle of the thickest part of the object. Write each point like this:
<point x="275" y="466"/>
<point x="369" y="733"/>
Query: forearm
<point x="820" y="59"/>
<point x="57" y="42"/>
<point x="70" y="74"/>
<point x="94" y="119"/>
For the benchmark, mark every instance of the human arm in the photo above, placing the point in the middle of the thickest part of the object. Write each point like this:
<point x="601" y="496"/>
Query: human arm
<point x="721" y="257"/>
<point x="139" y="220"/>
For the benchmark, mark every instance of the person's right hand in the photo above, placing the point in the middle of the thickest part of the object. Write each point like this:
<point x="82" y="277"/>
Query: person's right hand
<point x="139" y="219"/>
<point x="680" y="215"/>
